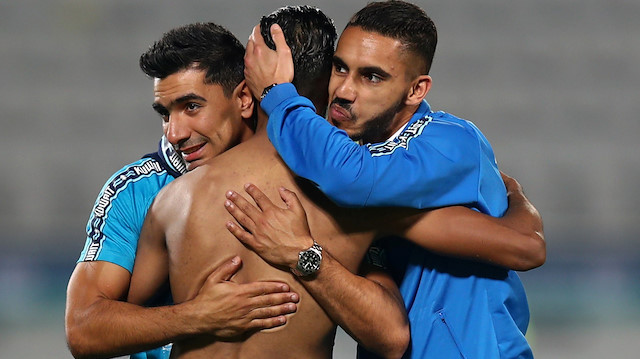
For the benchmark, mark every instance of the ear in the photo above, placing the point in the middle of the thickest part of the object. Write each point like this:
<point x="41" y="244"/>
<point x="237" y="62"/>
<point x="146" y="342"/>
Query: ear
<point x="245" y="100"/>
<point x="420" y="86"/>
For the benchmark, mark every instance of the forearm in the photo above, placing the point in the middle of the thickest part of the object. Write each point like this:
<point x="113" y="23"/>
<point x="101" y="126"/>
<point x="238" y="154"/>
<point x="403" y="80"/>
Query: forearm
<point x="461" y="232"/>
<point x="523" y="217"/>
<point x="372" y="314"/>
<point x="110" y="328"/>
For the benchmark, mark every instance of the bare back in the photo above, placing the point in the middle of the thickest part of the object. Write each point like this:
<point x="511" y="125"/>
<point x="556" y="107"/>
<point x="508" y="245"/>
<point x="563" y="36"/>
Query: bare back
<point x="192" y="214"/>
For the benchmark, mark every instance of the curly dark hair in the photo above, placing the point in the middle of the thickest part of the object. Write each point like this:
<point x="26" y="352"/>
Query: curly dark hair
<point x="204" y="46"/>
<point x="311" y="36"/>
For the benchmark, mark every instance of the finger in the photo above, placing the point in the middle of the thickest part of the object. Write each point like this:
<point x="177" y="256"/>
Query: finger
<point x="242" y="210"/>
<point x="226" y="270"/>
<point x="254" y="31"/>
<point x="257" y="36"/>
<point x="291" y="199"/>
<point x="505" y="177"/>
<point x="267" y="323"/>
<point x="248" y="53"/>
<point x="241" y="234"/>
<point x="273" y="311"/>
<point x="278" y="38"/>
<point x="257" y="289"/>
<point x="258" y="196"/>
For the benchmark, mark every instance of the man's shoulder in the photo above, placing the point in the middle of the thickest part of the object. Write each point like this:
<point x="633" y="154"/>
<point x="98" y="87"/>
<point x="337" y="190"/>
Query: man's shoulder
<point x="146" y="168"/>
<point x="140" y="179"/>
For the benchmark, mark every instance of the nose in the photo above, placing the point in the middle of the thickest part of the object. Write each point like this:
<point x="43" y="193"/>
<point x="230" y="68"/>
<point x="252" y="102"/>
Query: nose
<point x="176" y="130"/>
<point x="345" y="88"/>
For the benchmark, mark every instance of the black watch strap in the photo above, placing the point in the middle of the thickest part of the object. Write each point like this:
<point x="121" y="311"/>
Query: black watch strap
<point x="266" y="91"/>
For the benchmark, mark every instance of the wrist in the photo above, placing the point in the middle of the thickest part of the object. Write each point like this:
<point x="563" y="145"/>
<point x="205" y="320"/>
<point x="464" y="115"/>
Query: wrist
<point x="308" y="261"/>
<point x="192" y="318"/>
<point x="266" y="90"/>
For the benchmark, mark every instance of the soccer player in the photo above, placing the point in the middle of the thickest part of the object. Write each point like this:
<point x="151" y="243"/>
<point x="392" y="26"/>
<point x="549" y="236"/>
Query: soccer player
<point x="206" y="109"/>
<point x="415" y="157"/>
<point x="184" y="235"/>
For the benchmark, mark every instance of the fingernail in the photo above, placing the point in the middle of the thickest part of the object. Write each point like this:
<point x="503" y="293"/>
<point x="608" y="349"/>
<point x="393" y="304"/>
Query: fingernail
<point x="247" y="185"/>
<point x="236" y="259"/>
<point x="227" y="203"/>
<point x="229" y="194"/>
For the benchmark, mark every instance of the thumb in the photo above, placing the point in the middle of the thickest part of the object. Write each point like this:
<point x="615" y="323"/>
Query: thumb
<point x="278" y="38"/>
<point x="226" y="270"/>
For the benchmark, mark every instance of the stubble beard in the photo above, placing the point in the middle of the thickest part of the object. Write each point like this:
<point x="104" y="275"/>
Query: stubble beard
<point x="378" y="129"/>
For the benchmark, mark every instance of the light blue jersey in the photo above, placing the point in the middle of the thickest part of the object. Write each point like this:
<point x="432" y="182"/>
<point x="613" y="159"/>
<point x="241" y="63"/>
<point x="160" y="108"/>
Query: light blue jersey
<point x="118" y="214"/>
<point x="456" y="308"/>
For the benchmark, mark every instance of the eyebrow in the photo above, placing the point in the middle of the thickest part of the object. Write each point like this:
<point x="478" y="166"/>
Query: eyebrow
<point x="338" y="61"/>
<point x="182" y="99"/>
<point x="374" y="70"/>
<point x="363" y="70"/>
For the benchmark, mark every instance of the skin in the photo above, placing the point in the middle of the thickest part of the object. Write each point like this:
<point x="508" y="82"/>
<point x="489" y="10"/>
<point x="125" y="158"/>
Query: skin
<point x="198" y="119"/>
<point x="202" y="122"/>
<point x="177" y="242"/>
<point x="183" y="211"/>
<point x="371" y="76"/>
<point x="179" y="231"/>
<point x="368" y="69"/>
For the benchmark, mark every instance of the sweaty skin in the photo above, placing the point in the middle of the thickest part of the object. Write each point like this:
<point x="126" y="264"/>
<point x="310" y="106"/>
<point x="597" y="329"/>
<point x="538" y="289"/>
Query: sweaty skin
<point x="186" y="229"/>
<point x="197" y="240"/>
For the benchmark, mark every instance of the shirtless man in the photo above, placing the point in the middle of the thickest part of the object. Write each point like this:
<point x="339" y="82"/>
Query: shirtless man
<point x="186" y="232"/>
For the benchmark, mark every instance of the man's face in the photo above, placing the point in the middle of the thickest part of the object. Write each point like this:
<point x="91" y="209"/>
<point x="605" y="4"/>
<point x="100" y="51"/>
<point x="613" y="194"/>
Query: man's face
<point x="368" y="86"/>
<point x="198" y="119"/>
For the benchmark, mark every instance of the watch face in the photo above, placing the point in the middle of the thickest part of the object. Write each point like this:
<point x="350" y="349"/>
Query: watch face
<point x="310" y="261"/>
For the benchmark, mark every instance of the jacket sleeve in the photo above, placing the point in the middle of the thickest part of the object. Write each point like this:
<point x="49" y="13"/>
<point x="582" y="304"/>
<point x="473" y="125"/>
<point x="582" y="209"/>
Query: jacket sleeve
<point x="434" y="163"/>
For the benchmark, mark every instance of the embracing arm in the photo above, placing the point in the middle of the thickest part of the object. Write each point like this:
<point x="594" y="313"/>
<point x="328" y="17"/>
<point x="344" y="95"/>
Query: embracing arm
<point x="367" y="306"/>
<point x="369" y="309"/>
<point x="100" y="324"/>
<point x="514" y="241"/>
<point x="441" y="170"/>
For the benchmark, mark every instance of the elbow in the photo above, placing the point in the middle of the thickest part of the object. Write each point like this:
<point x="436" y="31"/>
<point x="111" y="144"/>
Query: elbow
<point x="81" y="344"/>
<point x="535" y="253"/>
<point x="398" y="343"/>
<point x="77" y="343"/>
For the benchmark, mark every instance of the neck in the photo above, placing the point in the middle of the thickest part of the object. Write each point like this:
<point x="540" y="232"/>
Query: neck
<point x="261" y="125"/>
<point x="402" y="118"/>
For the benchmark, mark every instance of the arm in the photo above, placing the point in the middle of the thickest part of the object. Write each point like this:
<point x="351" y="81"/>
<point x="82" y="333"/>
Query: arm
<point x="435" y="172"/>
<point x="369" y="309"/>
<point x="515" y="241"/>
<point x="99" y="324"/>
<point x="98" y="321"/>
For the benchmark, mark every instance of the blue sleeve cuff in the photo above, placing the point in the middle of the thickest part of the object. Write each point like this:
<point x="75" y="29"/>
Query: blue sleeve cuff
<point x="277" y="95"/>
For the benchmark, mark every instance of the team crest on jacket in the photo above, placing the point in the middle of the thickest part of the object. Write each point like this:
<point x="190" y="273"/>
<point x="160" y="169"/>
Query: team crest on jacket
<point x="412" y="131"/>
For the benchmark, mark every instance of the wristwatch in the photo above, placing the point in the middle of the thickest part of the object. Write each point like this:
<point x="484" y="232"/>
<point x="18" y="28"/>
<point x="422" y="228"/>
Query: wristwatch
<point x="308" y="261"/>
<point x="266" y="91"/>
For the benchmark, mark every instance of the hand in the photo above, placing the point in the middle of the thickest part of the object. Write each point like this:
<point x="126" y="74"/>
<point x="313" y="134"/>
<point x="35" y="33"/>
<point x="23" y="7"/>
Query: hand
<point x="228" y="309"/>
<point x="263" y="66"/>
<point x="276" y="234"/>
<point x="511" y="184"/>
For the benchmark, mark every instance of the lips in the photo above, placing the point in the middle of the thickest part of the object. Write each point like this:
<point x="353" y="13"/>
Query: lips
<point x="339" y="114"/>
<point x="192" y="153"/>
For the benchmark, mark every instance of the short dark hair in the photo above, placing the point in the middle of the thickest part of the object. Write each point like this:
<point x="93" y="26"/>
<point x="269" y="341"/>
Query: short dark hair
<point x="311" y="36"/>
<point x="204" y="46"/>
<point x="402" y="21"/>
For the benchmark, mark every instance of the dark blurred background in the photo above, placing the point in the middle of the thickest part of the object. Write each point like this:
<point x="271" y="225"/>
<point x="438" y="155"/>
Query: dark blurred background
<point x="552" y="84"/>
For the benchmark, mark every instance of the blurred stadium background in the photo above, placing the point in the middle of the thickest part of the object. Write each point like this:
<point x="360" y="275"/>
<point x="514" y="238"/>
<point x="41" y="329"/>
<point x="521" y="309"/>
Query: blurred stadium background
<point x="554" y="85"/>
